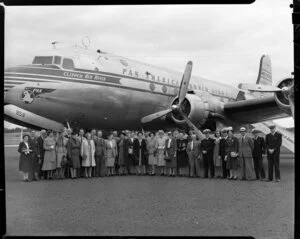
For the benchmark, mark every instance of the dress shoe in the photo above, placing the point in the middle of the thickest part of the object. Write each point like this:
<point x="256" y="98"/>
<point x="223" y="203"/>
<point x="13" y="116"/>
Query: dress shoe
<point x="277" y="180"/>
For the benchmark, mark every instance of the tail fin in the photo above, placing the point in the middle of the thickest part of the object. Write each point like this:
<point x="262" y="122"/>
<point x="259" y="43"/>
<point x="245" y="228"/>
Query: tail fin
<point x="264" y="75"/>
<point x="265" y="71"/>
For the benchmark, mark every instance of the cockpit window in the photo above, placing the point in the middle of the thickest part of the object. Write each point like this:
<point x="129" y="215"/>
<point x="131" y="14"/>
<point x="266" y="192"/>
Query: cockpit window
<point x="57" y="60"/>
<point x="43" y="60"/>
<point x="68" y="64"/>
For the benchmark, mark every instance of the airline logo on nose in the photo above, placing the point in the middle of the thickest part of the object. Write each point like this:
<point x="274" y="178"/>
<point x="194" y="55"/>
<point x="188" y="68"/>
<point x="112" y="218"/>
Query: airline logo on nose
<point x="27" y="96"/>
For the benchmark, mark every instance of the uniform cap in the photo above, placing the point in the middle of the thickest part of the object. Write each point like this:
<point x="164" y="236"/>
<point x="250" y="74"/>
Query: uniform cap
<point x="272" y="126"/>
<point x="242" y="129"/>
<point x="206" y="131"/>
<point x="254" y="131"/>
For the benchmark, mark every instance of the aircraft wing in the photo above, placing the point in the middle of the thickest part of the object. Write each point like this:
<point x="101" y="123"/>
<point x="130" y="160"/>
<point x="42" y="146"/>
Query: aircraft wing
<point x="253" y="110"/>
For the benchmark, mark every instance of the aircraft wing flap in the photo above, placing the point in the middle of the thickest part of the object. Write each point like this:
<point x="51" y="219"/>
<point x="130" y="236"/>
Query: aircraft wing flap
<point x="253" y="110"/>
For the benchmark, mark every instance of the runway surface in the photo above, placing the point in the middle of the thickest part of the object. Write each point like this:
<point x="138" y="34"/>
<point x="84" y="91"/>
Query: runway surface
<point x="149" y="206"/>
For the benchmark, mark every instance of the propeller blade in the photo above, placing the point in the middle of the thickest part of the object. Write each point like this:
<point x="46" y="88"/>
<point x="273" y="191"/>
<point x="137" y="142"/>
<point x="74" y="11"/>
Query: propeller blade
<point x="185" y="82"/>
<point x="156" y="115"/>
<point x="197" y="131"/>
<point x="259" y="88"/>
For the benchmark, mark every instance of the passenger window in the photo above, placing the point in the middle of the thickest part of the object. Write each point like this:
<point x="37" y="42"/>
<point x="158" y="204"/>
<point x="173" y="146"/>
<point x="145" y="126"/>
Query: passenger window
<point x="57" y="60"/>
<point x="68" y="64"/>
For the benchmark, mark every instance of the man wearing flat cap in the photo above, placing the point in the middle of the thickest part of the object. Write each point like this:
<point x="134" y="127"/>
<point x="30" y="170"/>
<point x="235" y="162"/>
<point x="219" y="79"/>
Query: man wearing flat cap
<point x="207" y="148"/>
<point x="273" y="144"/>
<point x="245" y="153"/>
<point x="258" y="151"/>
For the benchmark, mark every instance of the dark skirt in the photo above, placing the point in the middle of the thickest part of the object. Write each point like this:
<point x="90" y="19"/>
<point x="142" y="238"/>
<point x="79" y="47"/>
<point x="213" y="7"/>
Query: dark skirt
<point x="182" y="159"/>
<point x="171" y="162"/>
<point x="232" y="163"/>
<point x="26" y="163"/>
<point x="75" y="162"/>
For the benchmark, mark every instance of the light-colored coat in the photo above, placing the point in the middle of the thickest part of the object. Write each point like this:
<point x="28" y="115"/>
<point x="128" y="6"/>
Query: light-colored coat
<point x="88" y="153"/>
<point x="246" y="147"/>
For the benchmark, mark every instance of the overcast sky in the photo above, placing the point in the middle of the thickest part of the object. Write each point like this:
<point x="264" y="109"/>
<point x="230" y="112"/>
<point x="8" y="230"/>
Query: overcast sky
<point x="225" y="42"/>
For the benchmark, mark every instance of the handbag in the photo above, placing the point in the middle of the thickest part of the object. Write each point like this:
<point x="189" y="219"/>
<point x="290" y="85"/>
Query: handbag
<point x="233" y="154"/>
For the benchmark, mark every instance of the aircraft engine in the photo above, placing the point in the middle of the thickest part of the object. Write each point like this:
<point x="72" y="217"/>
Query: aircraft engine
<point x="199" y="111"/>
<point x="283" y="98"/>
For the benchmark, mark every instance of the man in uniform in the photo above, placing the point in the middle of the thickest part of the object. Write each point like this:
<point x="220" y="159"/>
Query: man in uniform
<point x="258" y="151"/>
<point x="41" y="151"/>
<point x="207" y="148"/>
<point x="222" y="153"/>
<point x="245" y="154"/>
<point x="273" y="144"/>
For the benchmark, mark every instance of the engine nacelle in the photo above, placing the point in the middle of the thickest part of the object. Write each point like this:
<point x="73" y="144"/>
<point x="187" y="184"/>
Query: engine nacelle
<point x="281" y="98"/>
<point x="198" y="109"/>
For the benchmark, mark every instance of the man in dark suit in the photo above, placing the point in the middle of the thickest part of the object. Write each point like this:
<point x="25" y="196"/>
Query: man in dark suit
<point x="258" y="151"/>
<point x="81" y="138"/>
<point x="41" y="151"/>
<point x="193" y="151"/>
<point x="273" y="144"/>
<point x="207" y="148"/>
<point x="222" y="152"/>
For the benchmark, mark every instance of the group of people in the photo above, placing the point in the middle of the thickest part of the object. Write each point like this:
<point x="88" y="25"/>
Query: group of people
<point x="72" y="154"/>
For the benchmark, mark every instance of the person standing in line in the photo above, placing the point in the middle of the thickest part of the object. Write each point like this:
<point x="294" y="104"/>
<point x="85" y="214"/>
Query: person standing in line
<point x="193" y="151"/>
<point x="273" y="144"/>
<point x="73" y="152"/>
<point x="140" y="153"/>
<point x="207" y="149"/>
<point x="160" y="146"/>
<point x="93" y="134"/>
<point x="123" y="154"/>
<point x="61" y="153"/>
<point x="152" y="154"/>
<point x="182" y="157"/>
<point x="231" y="150"/>
<point x="88" y="155"/>
<point x="35" y="156"/>
<point x="26" y="160"/>
<point x="50" y="154"/>
<point x="222" y="153"/>
<point x="217" y="157"/>
<point x="171" y="157"/>
<point x="111" y="153"/>
<point x="41" y="151"/>
<point x="100" y="150"/>
<point x="245" y="156"/>
<point x="66" y="167"/>
<point x="131" y="159"/>
<point x="81" y="137"/>
<point x="258" y="151"/>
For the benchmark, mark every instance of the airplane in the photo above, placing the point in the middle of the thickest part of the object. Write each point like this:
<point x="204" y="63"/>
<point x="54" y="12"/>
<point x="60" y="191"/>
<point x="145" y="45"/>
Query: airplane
<point x="82" y="87"/>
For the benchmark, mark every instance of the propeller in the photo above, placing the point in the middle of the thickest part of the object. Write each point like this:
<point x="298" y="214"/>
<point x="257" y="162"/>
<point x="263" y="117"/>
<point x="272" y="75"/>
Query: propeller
<point x="178" y="108"/>
<point x="287" y="90"/>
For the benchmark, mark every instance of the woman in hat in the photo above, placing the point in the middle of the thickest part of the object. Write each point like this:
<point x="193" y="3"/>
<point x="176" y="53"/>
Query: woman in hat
<point x="171" y="159"/>
<point x="182" y="157"/>
<point x="123" y="153"/>
<point x="88" y="155"/>
<point x="217" y="158"/>
<point x="160" y="145"/>
<point x="151" y="148"/>
<point x="26" y="160"/>
<point x="231" y="150"/>
<point x="140" y="153"/>
<point x="49" y="164"/>
<point x="61" y="152"/>
<point x="73" y="150"/>
<point x="111" y="153"/>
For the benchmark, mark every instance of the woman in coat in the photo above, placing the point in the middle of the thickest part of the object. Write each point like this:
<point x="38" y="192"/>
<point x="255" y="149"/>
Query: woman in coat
<point x="73" y="150"/>
<point x="231" y="150"/>
<point x="111" y="153"/>
<point x="182" y="157"/>
<point x="88" y="155"/>
<point x="49" y="164"/>
<point x="151" y="149"/>
<point x="140" y="153"/>
<point x="123" y="154"/>
<point x="170" y="155"/>
<point x="26" y="160"/>
<point x="160" y="146"/>
<point x="217" y="158"/>
<point x="61" y="154"/>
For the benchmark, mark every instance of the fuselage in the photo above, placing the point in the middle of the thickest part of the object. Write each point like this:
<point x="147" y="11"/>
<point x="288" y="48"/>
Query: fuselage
<point x="100" y="90"/>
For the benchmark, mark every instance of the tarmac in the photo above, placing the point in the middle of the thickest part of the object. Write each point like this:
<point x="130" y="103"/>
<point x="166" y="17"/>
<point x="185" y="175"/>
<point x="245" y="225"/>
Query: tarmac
<point x="149" y="206"/>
